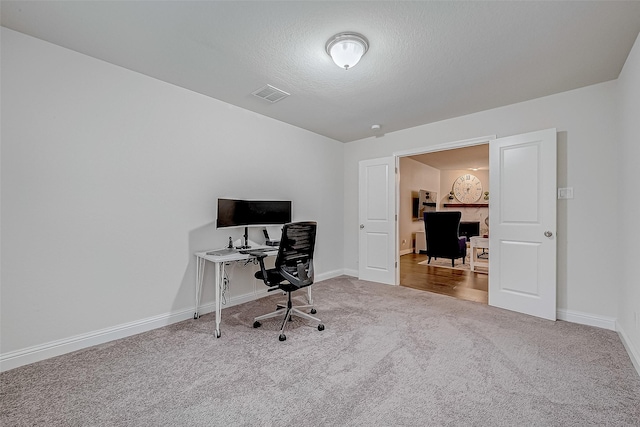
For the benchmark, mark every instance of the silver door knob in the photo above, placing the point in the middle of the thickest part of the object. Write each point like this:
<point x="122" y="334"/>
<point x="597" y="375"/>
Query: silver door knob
<point x="361" y="226"/>
<point x="548" y="234"/>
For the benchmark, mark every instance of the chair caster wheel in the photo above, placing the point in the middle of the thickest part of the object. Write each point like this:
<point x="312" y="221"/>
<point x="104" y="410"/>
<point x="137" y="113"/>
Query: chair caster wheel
<point x="313" y="311"/>
<point x="282" y="337"/>
<point x="321" y="327"/>
<point x="257" y="324"/>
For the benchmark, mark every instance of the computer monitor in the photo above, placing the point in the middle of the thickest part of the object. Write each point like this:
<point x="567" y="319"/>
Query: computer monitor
<point x="240" y="213"/>
<point x="252" y="213"/>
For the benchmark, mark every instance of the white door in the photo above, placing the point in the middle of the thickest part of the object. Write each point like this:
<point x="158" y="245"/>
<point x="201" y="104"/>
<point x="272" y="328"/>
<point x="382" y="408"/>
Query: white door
<point x="522" y="228"/>
<point x="376" y="213"/>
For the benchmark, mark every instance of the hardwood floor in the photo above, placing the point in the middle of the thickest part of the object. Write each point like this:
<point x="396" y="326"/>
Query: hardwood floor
<point x="461" y="284"/>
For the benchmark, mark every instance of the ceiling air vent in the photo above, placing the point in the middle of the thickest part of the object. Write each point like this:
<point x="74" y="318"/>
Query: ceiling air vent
<point x="270" y="93"/>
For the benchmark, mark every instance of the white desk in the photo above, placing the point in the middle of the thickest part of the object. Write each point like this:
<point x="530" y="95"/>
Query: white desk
<point x="478" y="243"/>
<point x="219" y="262"/>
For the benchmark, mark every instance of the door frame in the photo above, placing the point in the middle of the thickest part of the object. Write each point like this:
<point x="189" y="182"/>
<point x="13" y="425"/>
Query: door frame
<point x="423" y="150"/>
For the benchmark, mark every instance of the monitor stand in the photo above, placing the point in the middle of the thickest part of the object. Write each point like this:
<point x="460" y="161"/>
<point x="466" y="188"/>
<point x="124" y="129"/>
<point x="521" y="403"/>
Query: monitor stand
<point x="246" y="239"/>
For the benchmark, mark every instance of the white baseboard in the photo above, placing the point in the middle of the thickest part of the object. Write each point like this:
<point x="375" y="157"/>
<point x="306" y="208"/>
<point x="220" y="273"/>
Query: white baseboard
<point x="406" y="251"/>
<point x="603" y="322"/>
<point x="329" y="275"/>
<point x="634" y="353"/>
<point x="44" y="351"/>
<point x="349" y="272"/>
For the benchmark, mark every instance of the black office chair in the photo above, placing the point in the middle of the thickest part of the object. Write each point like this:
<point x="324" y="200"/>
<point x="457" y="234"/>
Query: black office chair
<point x="293" y="270"/>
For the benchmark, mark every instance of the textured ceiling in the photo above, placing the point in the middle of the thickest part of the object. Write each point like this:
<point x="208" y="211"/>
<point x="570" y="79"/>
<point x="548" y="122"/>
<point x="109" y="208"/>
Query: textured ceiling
<point x="427" y="61"/>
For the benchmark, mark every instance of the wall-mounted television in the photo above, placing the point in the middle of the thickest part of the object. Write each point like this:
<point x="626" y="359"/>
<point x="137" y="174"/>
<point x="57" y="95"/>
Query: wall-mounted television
<point x="243" y="213"/>
<point x="423" y="201"/>
<point x="415" y="208"/>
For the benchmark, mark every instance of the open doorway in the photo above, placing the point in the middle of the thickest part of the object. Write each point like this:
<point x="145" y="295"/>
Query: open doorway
<point x="446" y="180"/>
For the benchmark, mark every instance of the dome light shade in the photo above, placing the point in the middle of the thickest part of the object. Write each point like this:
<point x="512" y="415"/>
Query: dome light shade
<point x="346" y="49"/>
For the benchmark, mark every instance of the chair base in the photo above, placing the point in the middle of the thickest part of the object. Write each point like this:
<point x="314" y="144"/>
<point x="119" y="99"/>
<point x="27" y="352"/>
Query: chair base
<point x="287" y="311"/>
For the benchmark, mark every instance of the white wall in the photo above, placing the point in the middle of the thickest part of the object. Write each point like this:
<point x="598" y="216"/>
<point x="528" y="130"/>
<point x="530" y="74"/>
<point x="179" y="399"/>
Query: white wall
<point x="414" y="176"/>
<point x="629" y="202"/>
<point x="109" y="185"/>
<point x="588" y="247"/>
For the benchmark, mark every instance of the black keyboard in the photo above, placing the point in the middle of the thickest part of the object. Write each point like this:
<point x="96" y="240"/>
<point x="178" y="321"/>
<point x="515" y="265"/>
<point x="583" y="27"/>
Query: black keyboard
<point x="257" y="250"/>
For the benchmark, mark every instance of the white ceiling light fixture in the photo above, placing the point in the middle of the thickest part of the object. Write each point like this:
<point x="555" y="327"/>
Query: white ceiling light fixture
<point x="346" y="49"/>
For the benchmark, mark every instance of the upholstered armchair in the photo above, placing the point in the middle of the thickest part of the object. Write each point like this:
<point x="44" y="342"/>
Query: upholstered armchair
<point x="443" y="240"/>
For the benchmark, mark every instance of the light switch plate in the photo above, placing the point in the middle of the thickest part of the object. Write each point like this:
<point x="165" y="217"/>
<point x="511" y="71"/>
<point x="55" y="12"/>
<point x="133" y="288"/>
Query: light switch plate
<point x="565" y="193"/>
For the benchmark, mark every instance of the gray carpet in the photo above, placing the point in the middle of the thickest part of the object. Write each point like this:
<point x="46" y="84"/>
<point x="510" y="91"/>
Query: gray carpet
<point x="389" y="356"/>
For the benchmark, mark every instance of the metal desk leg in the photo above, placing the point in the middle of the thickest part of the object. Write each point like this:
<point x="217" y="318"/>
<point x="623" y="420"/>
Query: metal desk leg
<point x="219" y="273"/>
<point x="309" y="298"/>
<point x="199" y="277"/>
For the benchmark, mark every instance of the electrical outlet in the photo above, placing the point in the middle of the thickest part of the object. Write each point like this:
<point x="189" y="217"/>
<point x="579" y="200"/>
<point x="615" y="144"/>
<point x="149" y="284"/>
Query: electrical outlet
<point x="404" y="241"/>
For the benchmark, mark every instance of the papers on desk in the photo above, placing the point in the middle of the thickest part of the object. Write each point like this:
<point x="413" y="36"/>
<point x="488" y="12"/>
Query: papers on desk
<point x="221" y="252"/>
<point x="232" y="254"/>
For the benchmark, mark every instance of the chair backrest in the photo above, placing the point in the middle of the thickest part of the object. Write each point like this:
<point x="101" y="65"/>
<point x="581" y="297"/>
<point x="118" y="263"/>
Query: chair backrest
<point x="441" y="229"/>
<point x="295" y="254"/>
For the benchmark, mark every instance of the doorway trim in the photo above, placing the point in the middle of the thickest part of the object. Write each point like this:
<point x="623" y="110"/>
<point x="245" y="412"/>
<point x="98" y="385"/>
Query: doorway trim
<point x="445" y="146"/>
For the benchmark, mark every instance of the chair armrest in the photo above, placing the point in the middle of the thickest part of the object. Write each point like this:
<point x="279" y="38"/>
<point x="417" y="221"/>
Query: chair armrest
<point x="260" y="256"/>
<point x="462" y="243"/>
